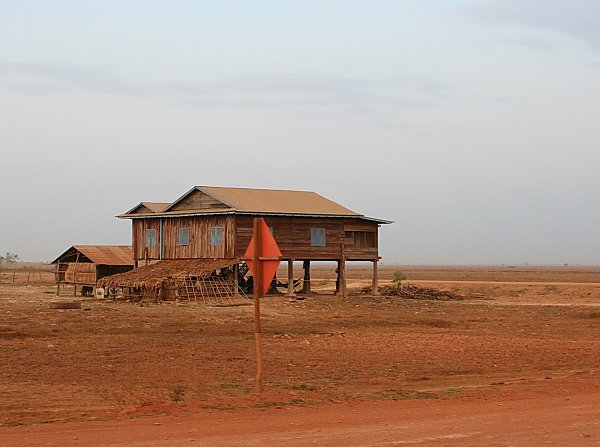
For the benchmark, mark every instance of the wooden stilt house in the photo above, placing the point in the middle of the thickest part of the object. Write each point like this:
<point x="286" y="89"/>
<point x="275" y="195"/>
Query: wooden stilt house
<point x="83" y="265"/>
<point x="210" y="222"/>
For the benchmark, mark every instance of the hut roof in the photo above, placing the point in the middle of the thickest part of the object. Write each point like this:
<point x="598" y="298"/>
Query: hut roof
<point x="153" y="275"/>
<point x="99" y="254"/>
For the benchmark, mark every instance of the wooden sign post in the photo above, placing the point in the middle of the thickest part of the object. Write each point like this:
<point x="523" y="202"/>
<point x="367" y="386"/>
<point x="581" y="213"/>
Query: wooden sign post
<point x="263" y="258"/>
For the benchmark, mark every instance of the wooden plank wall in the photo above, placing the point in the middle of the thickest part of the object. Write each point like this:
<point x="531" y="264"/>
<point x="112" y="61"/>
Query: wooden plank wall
<point x="355" y="253"/>
<point x="138" y="241"/>
<point x="292" y="234"/>
<point x="80" y="273"/>
<point x="199" y="246"/>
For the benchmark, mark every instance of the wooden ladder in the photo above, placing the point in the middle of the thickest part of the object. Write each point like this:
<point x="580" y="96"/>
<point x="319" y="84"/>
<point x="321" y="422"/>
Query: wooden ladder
<point x="190" y="288"/>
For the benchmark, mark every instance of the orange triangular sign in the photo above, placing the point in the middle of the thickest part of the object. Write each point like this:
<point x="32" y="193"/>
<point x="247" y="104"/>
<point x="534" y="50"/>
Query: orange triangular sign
<point x="269" y="249"/>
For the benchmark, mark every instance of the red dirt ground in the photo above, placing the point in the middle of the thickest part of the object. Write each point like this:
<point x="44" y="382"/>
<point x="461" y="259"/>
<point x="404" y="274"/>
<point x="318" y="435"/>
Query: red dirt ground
<point x="515" y="363"/>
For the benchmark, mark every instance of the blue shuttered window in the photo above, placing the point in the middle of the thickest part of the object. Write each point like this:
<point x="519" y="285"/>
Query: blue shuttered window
<point x="317" y="237"/>
<point x="150" y="237"/>
<point x="216" y="235"/>
<point x="184" y="236"/>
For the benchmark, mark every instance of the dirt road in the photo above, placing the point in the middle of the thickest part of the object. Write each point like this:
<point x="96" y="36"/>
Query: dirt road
<point x="564" y="412"/>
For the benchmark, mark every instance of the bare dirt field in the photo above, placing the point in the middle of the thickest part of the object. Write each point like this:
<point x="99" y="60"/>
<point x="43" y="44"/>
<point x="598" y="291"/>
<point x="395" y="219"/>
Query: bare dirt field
<point x="518" y="357"/>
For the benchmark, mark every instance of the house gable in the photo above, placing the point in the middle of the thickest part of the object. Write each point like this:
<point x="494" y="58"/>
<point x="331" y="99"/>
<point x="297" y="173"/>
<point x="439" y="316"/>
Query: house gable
<point x="196" y="200"/>
<point x="72" y="254"/>
<point x="148" y="208"/>
<point x="141" y="209"/>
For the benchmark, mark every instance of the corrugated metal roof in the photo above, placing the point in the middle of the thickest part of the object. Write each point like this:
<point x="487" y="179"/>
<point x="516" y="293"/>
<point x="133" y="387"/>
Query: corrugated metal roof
<point x="252" y="200"/>
<point x="108" y="254"/>
<point x="102" y="254"/>
<point x="258" y="201"/>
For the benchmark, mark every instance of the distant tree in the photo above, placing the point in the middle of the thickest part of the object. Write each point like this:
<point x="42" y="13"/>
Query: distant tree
<point x="9" y="258"/>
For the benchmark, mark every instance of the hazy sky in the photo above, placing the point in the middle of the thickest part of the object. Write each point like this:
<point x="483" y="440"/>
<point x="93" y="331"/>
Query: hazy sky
<point x="473" y="124"/>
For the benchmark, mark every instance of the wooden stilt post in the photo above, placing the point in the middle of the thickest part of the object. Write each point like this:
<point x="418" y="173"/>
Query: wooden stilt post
<point x="340" y="285"/>
<point x="343" y="288"/>
<point x="75" y="274"/>
<point x="258" y="293"/>
<point x="337" y="279"/>
<point x="95" y="286"/>
<point x="57" y="278"/>
<point x="236" y="279"/>
<point x="306" y="282"/>
<point x="290" y="291"/>
<point x="375" y="288"/>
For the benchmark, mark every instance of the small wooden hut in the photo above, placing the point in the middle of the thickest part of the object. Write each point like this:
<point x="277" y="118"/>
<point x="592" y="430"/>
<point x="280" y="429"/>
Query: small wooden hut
<point x="83" y="265"/>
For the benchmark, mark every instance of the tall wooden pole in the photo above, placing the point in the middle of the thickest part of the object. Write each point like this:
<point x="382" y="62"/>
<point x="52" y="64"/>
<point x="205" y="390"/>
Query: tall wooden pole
<point x="258" y="293"/>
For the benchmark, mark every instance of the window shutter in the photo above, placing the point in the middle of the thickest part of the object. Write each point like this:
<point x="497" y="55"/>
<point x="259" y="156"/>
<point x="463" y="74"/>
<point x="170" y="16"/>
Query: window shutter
<point x="216" y="235"/>
<point x="150" y="237"/>
<point x="184" y="236"/>
<point x="317" y="237"/>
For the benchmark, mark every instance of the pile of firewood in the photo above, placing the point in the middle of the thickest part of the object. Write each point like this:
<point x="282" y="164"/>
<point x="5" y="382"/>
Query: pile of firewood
<point x="418" y="293"/>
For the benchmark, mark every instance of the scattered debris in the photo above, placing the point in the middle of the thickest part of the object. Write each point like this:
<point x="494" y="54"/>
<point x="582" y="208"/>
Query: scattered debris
<point x="411" y="291"/>
<point x="65" y="305"/>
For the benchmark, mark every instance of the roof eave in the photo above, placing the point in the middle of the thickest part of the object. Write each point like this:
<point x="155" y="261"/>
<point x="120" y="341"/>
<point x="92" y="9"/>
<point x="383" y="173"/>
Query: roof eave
<point x="275" y="213"/>
<point x="380" y="221"/>
<point x="184" y="214"/>
<point x="255" y="213"/>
